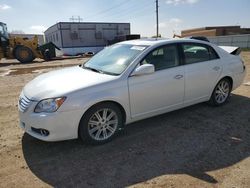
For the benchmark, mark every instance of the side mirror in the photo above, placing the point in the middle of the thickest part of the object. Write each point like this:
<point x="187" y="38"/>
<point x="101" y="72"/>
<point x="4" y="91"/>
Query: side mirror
<point x="144" y="69"/>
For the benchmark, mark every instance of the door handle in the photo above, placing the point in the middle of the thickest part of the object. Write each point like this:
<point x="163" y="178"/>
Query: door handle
<point x="216" y="68"/>
<point x="178" y="76"/>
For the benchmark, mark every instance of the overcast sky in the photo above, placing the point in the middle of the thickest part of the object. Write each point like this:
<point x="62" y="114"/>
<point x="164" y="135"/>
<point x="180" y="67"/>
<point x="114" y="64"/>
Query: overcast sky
<point x="34" y="16"/>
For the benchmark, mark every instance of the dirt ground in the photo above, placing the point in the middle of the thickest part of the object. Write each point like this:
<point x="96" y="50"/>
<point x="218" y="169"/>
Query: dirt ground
<point x="199" y="146"/>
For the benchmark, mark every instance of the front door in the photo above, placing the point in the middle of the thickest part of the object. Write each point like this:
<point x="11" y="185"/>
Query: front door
<point x="163" y="89"/>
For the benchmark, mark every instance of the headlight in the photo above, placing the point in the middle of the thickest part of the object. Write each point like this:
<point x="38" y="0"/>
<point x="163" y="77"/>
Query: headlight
<point x="49" y="105"/>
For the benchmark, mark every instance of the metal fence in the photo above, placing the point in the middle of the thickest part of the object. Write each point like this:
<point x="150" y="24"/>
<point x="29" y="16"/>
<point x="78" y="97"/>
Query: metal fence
<point x="242" y="41"/>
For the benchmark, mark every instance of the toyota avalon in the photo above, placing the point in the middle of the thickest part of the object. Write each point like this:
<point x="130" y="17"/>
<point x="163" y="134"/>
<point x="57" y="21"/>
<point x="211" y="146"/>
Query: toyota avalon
<point x="124" y="83"/>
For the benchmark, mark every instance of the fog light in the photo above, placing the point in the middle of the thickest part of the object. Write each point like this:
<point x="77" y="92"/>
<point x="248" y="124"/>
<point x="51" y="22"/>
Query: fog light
<point x="22" y="124"/>
<point x="42" y="132"/>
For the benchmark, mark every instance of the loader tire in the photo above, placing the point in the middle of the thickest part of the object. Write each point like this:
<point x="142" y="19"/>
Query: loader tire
<point x="24" y="54"/>
<point x="46" y="55"/>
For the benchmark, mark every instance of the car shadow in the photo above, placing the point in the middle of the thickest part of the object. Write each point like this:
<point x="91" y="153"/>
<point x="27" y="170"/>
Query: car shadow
<point x="190" y="141"/>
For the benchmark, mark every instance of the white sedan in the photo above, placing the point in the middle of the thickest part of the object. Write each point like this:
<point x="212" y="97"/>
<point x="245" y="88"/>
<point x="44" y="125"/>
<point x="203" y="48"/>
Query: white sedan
<point x="124" y="83"/>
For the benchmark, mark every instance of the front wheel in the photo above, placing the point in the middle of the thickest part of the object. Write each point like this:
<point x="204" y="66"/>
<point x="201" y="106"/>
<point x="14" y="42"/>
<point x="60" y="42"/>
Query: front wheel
<point x="24" y="54"/>
<point x="100" y="124"/>
<point x="221" y="92"/>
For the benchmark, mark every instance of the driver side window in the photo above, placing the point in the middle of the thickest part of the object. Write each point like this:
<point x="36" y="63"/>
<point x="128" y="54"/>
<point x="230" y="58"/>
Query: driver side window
<point x="163" y="57"/>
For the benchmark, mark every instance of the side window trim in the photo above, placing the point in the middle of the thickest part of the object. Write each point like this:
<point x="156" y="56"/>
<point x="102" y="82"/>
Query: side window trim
<point x="212" y="50"/>
<point x="181" y="55"/>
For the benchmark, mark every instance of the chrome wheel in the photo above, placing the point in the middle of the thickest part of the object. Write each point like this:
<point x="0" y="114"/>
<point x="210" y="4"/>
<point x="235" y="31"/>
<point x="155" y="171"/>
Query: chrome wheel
<point x="222" y="91"/>
<point x="102" y="124"/>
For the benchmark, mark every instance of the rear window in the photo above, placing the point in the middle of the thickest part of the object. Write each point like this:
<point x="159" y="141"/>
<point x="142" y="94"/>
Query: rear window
<point x="195" y="53"/>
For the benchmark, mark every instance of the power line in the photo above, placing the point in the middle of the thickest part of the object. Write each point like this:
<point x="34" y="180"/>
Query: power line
<point x="131" y="11"/>
<point x="136" y="15"/>
<point x="111" y="8"/>
<point x="120" y="14"/>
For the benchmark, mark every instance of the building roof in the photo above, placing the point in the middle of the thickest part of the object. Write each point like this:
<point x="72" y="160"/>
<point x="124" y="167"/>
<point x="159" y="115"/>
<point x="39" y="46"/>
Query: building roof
<point x="87" y="23"/>
<point x="212" y="27"/>
<point x="215" y="31"/>
<point x="93" y="23"/>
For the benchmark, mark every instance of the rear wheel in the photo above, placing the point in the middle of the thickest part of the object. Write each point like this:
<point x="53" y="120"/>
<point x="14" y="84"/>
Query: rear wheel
<point x="100" y="124"/>
<point x="24" y="54"/>
<point x="221" y="92"/>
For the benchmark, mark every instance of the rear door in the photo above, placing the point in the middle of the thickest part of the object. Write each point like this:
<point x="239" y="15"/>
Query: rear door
<point x="202" y="69"/>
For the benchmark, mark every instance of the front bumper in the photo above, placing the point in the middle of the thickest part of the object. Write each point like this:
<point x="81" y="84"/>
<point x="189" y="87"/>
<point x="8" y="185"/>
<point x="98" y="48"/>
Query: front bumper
<point x="60" y="125"/>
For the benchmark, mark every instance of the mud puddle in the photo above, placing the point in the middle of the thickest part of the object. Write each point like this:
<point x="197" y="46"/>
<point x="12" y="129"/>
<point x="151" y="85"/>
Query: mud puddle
<point x="28" y="70"/>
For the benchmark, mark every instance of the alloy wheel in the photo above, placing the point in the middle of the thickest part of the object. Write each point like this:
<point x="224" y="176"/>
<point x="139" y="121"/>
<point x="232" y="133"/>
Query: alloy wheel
<point x="103" y="124"/>
<point x="222" y="91"/>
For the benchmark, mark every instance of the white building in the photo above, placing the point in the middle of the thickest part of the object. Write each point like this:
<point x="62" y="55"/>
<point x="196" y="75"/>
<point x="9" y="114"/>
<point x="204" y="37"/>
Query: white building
<point x="80" y="37"/>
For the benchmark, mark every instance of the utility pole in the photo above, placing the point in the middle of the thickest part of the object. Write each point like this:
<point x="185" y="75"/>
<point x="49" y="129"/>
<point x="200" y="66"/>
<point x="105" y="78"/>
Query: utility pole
<point x="73" y="19"/>
<point x="157" y="19"/>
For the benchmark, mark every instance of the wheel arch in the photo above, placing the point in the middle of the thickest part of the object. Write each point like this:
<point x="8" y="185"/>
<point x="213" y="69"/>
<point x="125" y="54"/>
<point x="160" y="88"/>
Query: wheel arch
<point x="229" y="78"/>
<point x="122" y="109"/>
<point x="223" y="77"/>
<point x="212" y="99"/>
<point x="124" y="115"/>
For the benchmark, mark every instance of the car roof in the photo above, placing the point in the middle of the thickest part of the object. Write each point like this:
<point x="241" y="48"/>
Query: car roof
<point x="158" y="41"/>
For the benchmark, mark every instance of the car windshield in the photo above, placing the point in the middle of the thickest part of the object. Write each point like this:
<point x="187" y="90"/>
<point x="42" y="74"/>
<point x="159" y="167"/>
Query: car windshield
<point x="114" y="59"/>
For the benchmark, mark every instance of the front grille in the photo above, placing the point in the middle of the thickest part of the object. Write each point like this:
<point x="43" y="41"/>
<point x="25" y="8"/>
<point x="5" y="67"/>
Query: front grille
<point x="24" y="103"/>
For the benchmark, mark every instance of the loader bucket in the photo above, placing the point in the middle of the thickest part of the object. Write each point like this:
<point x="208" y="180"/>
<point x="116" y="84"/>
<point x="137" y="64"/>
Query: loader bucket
<point x="48" y="50"/>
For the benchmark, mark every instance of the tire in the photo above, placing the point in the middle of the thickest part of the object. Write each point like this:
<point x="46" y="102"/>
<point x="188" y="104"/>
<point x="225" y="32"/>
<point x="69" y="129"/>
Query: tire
<point x="99" y="129"/>
<point x="46" y="55"/>
<point x="221" y="92"/>
<point x="24" y="54"/>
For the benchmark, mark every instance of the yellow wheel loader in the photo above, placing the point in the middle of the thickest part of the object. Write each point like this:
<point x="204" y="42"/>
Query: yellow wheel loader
<point x="23" y="49"/>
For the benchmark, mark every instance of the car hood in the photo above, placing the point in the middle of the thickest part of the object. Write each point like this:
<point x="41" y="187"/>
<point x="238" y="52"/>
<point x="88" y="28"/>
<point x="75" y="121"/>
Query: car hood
<point x="60" y="82"/>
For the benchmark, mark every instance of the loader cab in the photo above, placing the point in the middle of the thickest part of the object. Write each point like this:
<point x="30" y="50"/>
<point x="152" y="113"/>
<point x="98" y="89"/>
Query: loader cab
<point x="4" y="40"/>
<point x="3" y="32"/>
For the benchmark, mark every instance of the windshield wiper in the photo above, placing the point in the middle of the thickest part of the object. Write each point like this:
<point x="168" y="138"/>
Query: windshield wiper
<point x="93" y="69"/>
<point x="99" y="71"/>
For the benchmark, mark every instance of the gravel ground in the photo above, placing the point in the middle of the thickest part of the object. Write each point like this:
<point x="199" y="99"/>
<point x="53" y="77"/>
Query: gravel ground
<point x="199" y="146"/>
